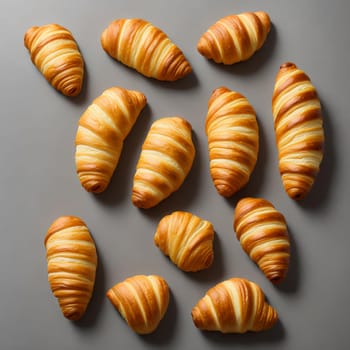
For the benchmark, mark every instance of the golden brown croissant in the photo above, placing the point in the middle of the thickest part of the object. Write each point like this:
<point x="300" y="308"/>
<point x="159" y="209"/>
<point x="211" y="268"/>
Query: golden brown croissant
<point x="71" y="263"/>
<point x="187" y="240"/>
<point x="234" y="306"/>
<point x="233" y="140"/>
<point x="142" y="301"/>
<point x="166" y="158"/>
<point x="299" y="130"/>
<point x="100" y="135"/>
<point x="55" y="53"/>
<point x="235" y="38"/>
<point x="262" y="232"/>
<point x="140" y="45"/>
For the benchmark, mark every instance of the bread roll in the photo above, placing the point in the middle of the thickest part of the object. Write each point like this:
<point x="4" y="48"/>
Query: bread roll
<point x="187" y="240"/>
<point x="55" y="53"/>
<point x="71" y="264"/>
<point x="142" y="301"/>
<point x="233" y="140"/>
<point x="298" y="125"/>
<point x="166" y="158"/>
<point x="147" y="49"/>
<point x="235" y="38"/>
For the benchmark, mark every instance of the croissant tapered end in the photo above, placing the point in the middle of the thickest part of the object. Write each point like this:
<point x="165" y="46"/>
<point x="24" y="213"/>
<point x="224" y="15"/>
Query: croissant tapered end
<point x="142" y="301"/>
<point x="262" y="232"/>
<point x="298" y="125"/>
<point x="166" y="158"/>
<point x="71" y="263"/>
<point x="55" y="53"/>
<point x="233" y="140"/>
<point x="235" y="38"/>
<point x="102" y="130"/>
<point x="234" y="306"/>
<point x="187" y="240"/>
<point x="147" y="49"/>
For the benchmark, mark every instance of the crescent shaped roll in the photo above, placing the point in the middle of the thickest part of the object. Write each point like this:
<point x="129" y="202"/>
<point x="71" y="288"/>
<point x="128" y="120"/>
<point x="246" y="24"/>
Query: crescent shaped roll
<point x="71" y="264"/>
<point x="235" y="38"/>
<point x="166" y="158"/>
<point x="298" y="126"/>
<point x="55" y="53"/>
<point x="187" y="240"/>
<point x="262" y="232"/>
<point x="235" y="305"/>
<point x="102" y="130"/>
<point x="142" y="301"/>
<point x="233" y="140"/>
<point x="147" y="49"/>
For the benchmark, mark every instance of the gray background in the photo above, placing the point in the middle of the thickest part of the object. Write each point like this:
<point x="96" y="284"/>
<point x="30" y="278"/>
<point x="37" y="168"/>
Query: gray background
<point x="38" y="180"/>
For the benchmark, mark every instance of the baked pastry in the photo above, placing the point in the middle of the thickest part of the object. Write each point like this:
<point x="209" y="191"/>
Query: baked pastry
<point x="235" y="38"/>
<point x="299" y="130"/>
<point x="142" y="301"/>
<point x="166" y="158"/>
<point x="71" y="264"/>
<point x="187" y="240"/>
<point x="233" y="140"/>
<point x="101" y="132"/>
<point x="262" y="232"/>
<point x="234" y="306"/>
<point x="55" y="53"/>
<point x="147" y="49"/>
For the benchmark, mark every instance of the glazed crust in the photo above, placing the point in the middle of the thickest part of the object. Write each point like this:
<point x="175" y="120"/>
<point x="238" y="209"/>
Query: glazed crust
<point x="102" y="130"/>
<point x="233" y="140"/>
<point x="235" y="38"/>
<point x="298" y="125"/>
<point x="142" y="301"/>
<point x="187" y="240"/>
<point x="234" y="306"/>
<point x="140" y="45"/>
<point x="55" y="53"/>
<point x="71" y="264"/>
<point x="262" y="232"/>
<point x="166" y="158"/>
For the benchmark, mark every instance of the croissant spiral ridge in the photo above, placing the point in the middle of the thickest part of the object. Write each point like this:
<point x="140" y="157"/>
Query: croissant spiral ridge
<point x="102" y="130"/>
<point x="235" y="305"/>
<point x="142" y="301"/>
<point x="55" y="53"/>
<point x="187" y="240"/>
<point x="235" y="38"/>
<point x="147" y="49"/>
<point x="262" y="232"/>
<point x="233" y="140"/>
<point x="71" y="263"/>
<point x="298" y="125"/>
<point x="166" y="158"/>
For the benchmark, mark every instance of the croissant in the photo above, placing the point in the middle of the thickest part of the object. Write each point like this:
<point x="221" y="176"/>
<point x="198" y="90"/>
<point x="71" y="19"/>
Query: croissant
<point x="55" y="53"/>
<point x="100" y="135"/>
<point x="234" y="306"/>
<point x="142" y="301"/>
<point x="233" y="140"/>
<point x="299" y="130"/>
<point x="147" y="49"/>
<point x="166" y="158"/>
<point x="71" y="263"/>
<point x="235" y="38"/>
<point x="187" y="240"/>
<point x="262" y="232"/>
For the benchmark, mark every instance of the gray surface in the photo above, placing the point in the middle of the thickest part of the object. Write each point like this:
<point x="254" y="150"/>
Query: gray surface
<point x="38" y="181"/>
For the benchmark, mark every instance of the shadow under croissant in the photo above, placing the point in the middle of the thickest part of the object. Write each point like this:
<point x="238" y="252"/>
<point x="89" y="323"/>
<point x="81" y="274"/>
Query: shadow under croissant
<point x="94" y="308"/>
<point x="276" y="334"/>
